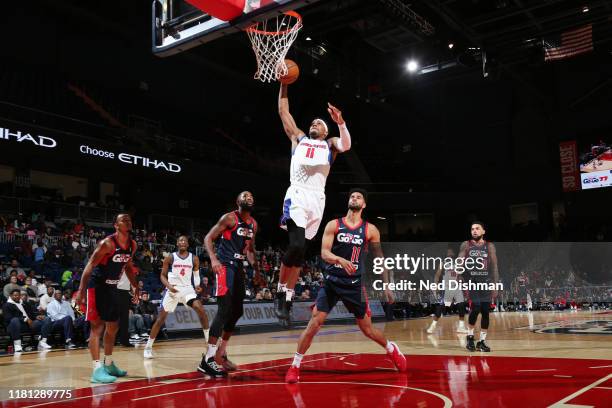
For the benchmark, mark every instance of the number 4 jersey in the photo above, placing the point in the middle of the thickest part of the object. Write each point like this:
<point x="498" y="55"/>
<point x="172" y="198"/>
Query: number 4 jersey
<point x="181" y="271"/>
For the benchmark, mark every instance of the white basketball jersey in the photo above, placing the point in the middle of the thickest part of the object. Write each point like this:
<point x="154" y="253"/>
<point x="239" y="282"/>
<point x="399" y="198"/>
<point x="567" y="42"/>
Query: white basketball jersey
<point x="181" y="271"/>
<point x="310" y="164"/>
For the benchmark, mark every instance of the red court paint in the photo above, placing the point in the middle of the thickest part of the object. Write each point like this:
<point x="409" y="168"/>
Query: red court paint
<point x="364" y="380"/>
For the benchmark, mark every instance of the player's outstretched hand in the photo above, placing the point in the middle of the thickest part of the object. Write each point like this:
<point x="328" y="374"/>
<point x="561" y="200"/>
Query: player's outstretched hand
<point x="335" y="114"/>
<point x="347" y="266"/>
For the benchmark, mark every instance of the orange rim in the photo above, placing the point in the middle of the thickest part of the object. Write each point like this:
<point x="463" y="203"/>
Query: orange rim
<point x="297" y="25"/>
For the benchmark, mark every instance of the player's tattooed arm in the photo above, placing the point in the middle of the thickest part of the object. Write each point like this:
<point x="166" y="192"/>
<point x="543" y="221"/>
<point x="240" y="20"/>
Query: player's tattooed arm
<point x="494" y="268"/>
<point x="291" y="129"/>
<point x="227" y="221"/>
<point x="251" y="252"/>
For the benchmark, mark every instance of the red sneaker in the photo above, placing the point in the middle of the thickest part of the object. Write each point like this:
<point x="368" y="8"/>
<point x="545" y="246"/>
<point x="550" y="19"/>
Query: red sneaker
<point x="293" y="375"/>
<point x="398" y="358"/>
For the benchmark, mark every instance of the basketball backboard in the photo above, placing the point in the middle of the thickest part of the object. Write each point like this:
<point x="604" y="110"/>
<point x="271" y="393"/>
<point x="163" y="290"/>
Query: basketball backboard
<point x="179" y="26"/>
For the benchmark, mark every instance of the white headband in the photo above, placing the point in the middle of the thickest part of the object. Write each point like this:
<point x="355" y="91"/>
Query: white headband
<point x="324" y="124"/>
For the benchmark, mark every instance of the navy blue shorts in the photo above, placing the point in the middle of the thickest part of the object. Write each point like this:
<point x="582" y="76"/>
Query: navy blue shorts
<point x="350" y="294"/>
<point x="230" y="279"/>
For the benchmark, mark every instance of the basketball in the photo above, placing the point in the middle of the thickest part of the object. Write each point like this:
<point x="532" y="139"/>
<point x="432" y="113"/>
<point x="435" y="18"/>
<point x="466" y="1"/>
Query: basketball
<point x="293" y="73"/>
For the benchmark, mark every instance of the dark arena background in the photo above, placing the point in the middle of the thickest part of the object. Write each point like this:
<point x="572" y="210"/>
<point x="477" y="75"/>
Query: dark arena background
<point x="466" y="118"/>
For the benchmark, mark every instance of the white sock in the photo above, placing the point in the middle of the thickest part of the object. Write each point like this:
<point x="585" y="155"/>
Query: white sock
<point x="483" y="335"/>
<point x="68" y="341"/>
<point x="281" y="287"/>
<point x="297" y="360"/>
<point x="43" y="340"/>
<point x="470" y="331"/>
<point x="150" y="343"/>
<point x="108" y="360"/>
<point x="461" y="324"/>
<point x="17" y="343"/>
<point x="390" y="347"/>
<point x="434" y="323"/>
<point x="97" y="364"/>
<point x="289" y="294"/>
<point x="222" y="347"/>
<point x="206" y="334"/>
<point x="212" y="350"/>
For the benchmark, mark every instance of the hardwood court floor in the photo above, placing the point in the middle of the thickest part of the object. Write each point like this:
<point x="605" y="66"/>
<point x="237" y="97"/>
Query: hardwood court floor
<point x="538" y="359"/>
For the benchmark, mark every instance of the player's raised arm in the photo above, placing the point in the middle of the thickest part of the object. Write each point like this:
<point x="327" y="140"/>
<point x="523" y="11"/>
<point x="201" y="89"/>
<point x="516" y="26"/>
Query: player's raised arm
<point x="227" y="221"/>
<point x="326" y="249"/>
<point x="291" y="129"/>
<point x="343" y="143"/>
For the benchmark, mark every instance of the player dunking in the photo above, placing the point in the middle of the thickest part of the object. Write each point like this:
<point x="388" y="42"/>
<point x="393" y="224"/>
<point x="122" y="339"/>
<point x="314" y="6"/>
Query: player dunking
<point x="304" y="201"/>
<point x="236" y="232"/>
<point x="448" y="296"/>
<point x="478" y="248"/>
<point x="344" y="245"/>
<point x="176" y="273"/>
<point x="111" y="258"/>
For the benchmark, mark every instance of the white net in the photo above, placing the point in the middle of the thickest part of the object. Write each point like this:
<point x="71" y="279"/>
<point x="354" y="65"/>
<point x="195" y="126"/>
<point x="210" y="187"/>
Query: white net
<point x="271" y="40"/>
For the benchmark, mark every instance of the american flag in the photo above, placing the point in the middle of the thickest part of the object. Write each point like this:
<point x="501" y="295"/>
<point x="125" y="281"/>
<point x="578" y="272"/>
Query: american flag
<point x="569" y="44"/>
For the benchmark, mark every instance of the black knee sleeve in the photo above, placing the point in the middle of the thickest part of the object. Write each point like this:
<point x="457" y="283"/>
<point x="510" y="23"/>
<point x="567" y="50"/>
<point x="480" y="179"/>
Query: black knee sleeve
<point x="484" y="310"/>
<point x="223" y="316"/>
<point x="461" y="309"/>
<point x="473" y="314"/>
<point x="438" y="310"/>
<point x="294" y="257"/>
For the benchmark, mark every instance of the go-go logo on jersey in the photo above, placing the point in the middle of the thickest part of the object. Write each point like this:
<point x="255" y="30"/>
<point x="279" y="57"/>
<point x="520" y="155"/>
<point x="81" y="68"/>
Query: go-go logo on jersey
<point x="348" y="238"/>
<point x="122" y="258"/>
<point x="244" y="232"/>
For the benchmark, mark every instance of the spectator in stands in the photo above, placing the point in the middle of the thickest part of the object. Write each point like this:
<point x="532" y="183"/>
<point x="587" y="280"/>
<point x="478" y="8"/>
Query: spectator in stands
<point x="267" y="294"/>
<point x="62" y="317"/>
<point x="42" y="287"/>
<point x="15" y="267"/>
<point x="66" y="277"/>
<point x="136" y="326"/>
<point x="11" y="286"/>
<point x="147" y="310"/>
<point x="17" y="320"/>
<point x="207" y="290"/>
<point x="31" y="289"/>
<point x="46" y="298"/>
<point x="305" y="295"/>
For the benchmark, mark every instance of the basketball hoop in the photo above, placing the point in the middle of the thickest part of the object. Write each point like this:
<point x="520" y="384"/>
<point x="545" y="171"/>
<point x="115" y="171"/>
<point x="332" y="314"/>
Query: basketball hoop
<point x="271" y="40"/>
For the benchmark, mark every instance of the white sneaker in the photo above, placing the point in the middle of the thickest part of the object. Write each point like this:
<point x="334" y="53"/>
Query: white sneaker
<point x="42" y="345"/>
<point x="135" y="336"/>
<point x="431" y="329"/>
<point x="18" y="349"/>
<point x="148" y="353"/>
<point x="461" y="329"/>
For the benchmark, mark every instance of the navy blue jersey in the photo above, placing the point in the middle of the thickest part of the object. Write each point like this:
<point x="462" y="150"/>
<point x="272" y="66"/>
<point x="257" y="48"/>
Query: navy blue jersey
<point x="351" y="244"/>
<point x="480" y="271"/>
<point x="233" y="242"/>
<point x="110" y="268"/>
